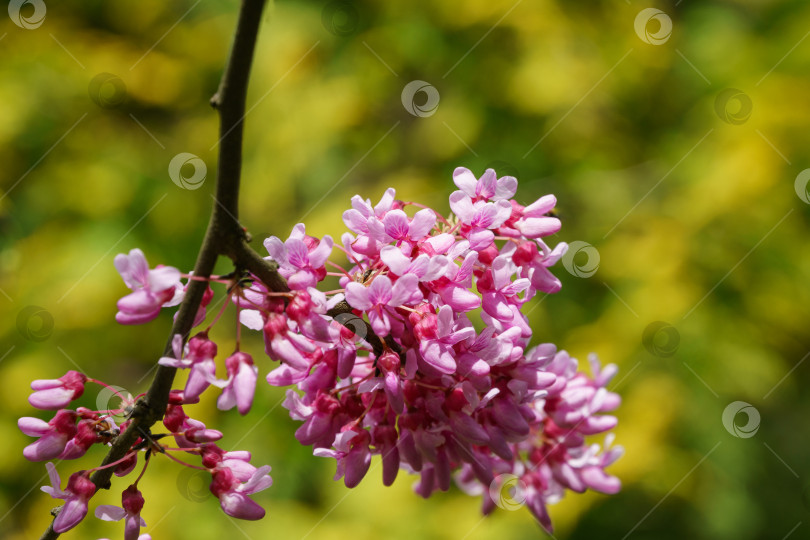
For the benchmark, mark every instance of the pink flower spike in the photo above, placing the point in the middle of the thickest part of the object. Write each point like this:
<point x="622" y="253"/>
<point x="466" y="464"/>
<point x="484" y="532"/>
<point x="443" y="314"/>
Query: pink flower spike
<point x="57" y="393"/>
<point x="152" y="289"/>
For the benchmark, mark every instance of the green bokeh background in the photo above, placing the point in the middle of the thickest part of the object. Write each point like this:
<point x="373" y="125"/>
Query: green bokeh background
<point x="696" y="220"/>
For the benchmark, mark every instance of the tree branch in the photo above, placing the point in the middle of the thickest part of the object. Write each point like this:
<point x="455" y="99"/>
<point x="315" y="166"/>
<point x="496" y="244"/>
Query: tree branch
<point x="224" y="236"/>
<point x="223" y="229"/>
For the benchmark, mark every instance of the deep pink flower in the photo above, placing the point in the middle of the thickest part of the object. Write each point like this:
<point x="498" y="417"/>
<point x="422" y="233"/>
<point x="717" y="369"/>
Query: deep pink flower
<point x="301" y="258"/>
<point x="152" y="289"/>
<point x="199" y="357"/>
<point x="380" y="295"/>
<point x="130" y="511"/>
<point x="499" y="291"/>
<point x="440" y="334"/>
<point x="479" y="218"/>
<point x="395" y="226"/>
<point x="53" y="435"/>
<point x="52" y="394"/>
<point x="241" y="383"/>
<point x="77" y="493"/>
<point x="488" y="188"/>
<point x="233" y="494"/>
<point x="352" y="455"/>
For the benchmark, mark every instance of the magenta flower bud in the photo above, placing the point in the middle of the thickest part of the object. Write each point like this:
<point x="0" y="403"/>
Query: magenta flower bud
<point x="57" y="393"/>
<point x="202" y="435"/>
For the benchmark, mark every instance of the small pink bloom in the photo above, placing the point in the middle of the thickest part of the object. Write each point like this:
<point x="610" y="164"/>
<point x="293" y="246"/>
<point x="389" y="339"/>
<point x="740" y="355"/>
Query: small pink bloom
<point x="488" y="188"/>
<point x="130" y="511"/>
<point x="152" y="289"/>
<point x="199" y="357"/>
<point x="241" y="383"/>
<point x="301" y="258"/>
<point x="77" y="493"/>
<point x="53" y="435"/>
<point x="381" y="295"/>
<point x="352" y="455"/>
<point x="233" y="495"/>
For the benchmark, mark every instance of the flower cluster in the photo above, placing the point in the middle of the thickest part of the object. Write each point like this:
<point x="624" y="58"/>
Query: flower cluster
<point x="420" y="354"/>
<point x="438" y="395"/>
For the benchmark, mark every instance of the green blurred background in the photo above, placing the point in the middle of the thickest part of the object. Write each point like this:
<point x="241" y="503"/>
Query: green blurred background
<point x="684" y="189"/>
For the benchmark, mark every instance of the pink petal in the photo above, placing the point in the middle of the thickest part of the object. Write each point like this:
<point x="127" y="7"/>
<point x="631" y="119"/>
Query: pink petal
<point x="356" y="462"/>
<point x="404" y="290"/>
<point x="245" y="386"/>
<point x="379" y="292"/>
<point x="422" y="223"/>
<point x="52" y="399"/>
<point x="110" y="512"/>
<point x="534" y="227"/>
<point x="541" y="206"/>
<point x="386" y="202"/>
<point x="275" y="247"/>
<point x="163" y="278"/>
<point x="465" y="180"/>
<point x="48" y="447"/>
<point x="70" y="515"/>
<point x="355" y="221"/>
<point x="358" y="296"/>
<point x="396" y="224"/>
<point x="396" y="261"/>
<point x="485" y="187"/>
<point x="507" y="186"/>
<point x="462" y="206"/>
<point x="33" y="427"/>
<point x="240" y="506"/>
<point x="318" y="256"/>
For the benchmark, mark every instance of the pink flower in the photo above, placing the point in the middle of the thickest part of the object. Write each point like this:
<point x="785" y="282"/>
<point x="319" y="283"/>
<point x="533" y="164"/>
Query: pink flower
<point x="425" y="267"/>
<point x="130" y="511"/>
<point x="488" y="188"/>
<point x="53" y="435"/>
<point x="57" y="393"/>
<point x="241" y="383"/>
<point x="301" y="258"/>
<point x="396" y="227"/>
<point x="152" y="288"/>
<point x="380" y="296"/>
<point x="77" y="493"/>
<point x="352" y="455"/>
<point x="233" y="495"/>
<point x="499" y="291"/>
<point x="479" y="218"/>
<point x="534" y="264"/>
<point x="199" y="358"/>
<point x="440" y="334"/>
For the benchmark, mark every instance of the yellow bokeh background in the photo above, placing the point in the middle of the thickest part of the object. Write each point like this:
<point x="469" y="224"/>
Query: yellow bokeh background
<point x="689" y="199"/>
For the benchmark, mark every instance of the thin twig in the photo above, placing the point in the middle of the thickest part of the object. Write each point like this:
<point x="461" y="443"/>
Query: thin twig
<point x="222" y="230"/>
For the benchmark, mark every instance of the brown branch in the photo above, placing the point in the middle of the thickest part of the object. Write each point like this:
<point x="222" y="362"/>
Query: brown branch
<point x="223" y="229"/>
<point x="224" y="236"/>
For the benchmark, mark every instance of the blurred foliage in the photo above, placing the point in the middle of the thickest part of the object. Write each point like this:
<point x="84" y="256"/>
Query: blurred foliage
<point x="695" y="219"/>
